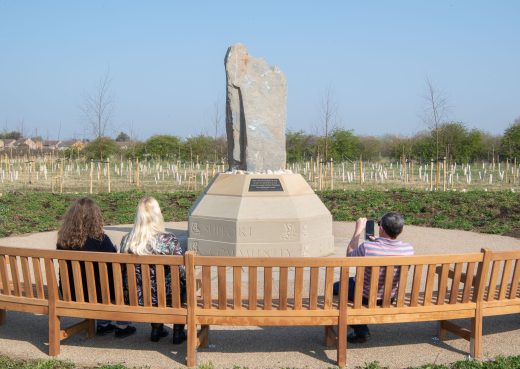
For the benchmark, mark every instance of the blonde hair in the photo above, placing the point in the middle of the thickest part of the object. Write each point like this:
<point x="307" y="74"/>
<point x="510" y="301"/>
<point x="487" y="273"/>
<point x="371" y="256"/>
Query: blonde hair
<point x="148" y="223"/>
<point x="82" y="220"/>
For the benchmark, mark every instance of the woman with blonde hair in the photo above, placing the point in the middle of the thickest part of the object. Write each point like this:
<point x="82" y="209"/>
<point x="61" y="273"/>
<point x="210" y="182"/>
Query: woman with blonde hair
<point x="82" y="230"/>
<point x="148" y="237"/>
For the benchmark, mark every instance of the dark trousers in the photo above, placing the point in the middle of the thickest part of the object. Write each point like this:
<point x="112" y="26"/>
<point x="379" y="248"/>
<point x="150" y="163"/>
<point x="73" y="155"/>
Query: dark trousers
<point x="359" y="329"/>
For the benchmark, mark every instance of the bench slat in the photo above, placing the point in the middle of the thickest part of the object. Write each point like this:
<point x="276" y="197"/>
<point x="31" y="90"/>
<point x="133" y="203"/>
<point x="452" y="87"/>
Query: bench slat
<point x="78" y="281"/>
<point x="252" y="290"/>
<point x="504" y="283"/>
<point x="132" y="284"/>
<point x="284" y="277"/>
<point x="91" y="282"/>
<point x="493" y="280"/>
<point x="206" y="287"/>
<point x="64" y="280"/>
<point x="160" y="280"/>
<point x="416" y="285"/>
<point x="27" y="282"/>
<point x="237" y="288"/>
<point x="103" y="281"/>
<point x="313" y="288"/>
<point x="147" y="287"/>
<point x="175" y="284"/>
<point x="514" y="282"/>
<point x="443" y="284"/>
<point x="454" y="293"/>
<point x="403" y="280"/>
<point x="298" y="288"/>
<point x="38" y="277"/>
<point x="4" y="277"/>
<point x="468" y="282"/>
<point x="387" y="288"/>
<point x="374" y="287"/>
<point x="358" y="291"/>
<point x="428" y="288"/>
<point x="268" y="288"/>
<point x="222" y="291"/>
<point x="118" y="284"/>
<point x="329" y="282"/>
<point x="15" y="275"/>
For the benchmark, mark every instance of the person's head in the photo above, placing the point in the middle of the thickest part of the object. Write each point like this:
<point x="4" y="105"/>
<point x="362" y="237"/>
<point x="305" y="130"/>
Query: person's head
<point x="148" y="223"/>
<point x="392" y="224"/>
<point x="82" y="220"/>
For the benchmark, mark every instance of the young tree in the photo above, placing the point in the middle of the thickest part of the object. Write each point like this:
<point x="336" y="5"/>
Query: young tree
<point x="162" y="146"/>
<point x="100" y="149"/>
<point x="345" y="145"/>
<point x="299" y="146"/>
<point x="328" y="120"/>
<point x="98" y="107"/>
<point x="511" y="140"/>
<point x="122" y="137"/>
<point x="435" y="111"/>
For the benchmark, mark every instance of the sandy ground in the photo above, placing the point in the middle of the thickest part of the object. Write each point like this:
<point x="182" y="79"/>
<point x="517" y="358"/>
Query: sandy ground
<point x="393" y="345"/>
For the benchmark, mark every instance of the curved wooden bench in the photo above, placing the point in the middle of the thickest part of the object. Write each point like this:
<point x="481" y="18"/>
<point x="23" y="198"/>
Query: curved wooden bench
<point x="246" y="291"/>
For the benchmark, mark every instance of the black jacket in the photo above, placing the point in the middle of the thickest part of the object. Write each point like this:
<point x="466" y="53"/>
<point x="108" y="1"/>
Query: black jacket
<point x="105" y="245"/>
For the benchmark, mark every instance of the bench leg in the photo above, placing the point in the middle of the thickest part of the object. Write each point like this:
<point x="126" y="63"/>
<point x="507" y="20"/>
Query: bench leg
<point x="342" y="345"/>
<point x="442" y="331"/>
<point x="54" y="335"/>
<point x="2" y="317"/>
<point x="204" y="336"/>
<point x="91" y="328"/>
<point x="191" y="347"/>
<point x="475" y="342"/>
<point x="330" y="336"/>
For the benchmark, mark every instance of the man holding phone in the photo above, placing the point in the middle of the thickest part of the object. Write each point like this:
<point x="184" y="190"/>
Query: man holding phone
<point x="390" y="226"/>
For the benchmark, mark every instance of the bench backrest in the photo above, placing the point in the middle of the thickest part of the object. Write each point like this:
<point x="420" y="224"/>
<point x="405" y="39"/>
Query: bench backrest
<point x="500" y="289"/>
<point x="78" y="277"/>
<point x="22" y="275"/>
<point x="307" y="283"/>
<point x="108" y="270"/>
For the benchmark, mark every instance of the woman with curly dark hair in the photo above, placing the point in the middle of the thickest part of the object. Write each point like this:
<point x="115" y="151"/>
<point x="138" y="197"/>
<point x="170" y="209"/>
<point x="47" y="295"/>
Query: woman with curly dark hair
<point x="82" y="230"/>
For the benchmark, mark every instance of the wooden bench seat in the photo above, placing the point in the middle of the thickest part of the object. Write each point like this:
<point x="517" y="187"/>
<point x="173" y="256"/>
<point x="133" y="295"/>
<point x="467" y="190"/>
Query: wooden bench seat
<point x="252" y="291"/>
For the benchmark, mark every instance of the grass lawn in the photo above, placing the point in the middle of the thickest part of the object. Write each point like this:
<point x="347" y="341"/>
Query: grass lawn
<point x="501" y="362"/>
<point x="480" y="211"/>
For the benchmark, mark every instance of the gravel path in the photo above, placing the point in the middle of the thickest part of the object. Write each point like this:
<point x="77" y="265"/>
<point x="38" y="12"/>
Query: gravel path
<point x="393" y="345"/>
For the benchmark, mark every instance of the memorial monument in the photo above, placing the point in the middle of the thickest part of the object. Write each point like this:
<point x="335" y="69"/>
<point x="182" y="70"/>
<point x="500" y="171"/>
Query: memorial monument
<point x="258" y="208"/>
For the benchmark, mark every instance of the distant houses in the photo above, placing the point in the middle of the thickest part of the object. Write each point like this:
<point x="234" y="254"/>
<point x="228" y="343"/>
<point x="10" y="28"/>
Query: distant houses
<point x="29" y="144"/>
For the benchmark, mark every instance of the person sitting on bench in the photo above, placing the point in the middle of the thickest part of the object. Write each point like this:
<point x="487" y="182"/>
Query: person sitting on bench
<point x="390" y="227"/>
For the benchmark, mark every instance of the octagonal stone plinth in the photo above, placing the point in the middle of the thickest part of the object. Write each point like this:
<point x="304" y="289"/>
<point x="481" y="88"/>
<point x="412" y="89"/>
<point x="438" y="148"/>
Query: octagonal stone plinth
<point x="260" y="215"/>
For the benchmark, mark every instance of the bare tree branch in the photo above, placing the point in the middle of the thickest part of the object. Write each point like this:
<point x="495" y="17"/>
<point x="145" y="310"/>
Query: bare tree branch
<point x="435" y="110"/>
<point x="98" y="107"/>
<point x="329" y="112"/>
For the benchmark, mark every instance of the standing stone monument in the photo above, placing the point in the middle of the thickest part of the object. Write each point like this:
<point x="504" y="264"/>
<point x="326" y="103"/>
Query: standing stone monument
<point x="258" y="208"/>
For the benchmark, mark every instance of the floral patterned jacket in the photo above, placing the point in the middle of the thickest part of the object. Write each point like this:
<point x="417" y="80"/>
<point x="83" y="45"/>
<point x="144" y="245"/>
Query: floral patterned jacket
<point x="166" y="244"/>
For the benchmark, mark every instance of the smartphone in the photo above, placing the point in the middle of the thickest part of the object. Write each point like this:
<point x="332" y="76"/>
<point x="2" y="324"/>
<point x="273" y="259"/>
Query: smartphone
<point x="370" y="229"/>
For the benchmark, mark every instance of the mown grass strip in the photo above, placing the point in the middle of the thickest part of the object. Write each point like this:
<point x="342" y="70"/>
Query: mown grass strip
<point x="501" y="362"/>
<point x="479" y="211"/>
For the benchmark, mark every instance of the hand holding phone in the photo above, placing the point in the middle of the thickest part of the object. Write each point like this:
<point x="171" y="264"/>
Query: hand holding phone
<point x="370" y="229"/>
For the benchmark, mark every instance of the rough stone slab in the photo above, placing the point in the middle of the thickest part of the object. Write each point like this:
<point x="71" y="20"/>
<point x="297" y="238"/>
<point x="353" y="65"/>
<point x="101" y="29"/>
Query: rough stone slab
<point x="256" y="109"/>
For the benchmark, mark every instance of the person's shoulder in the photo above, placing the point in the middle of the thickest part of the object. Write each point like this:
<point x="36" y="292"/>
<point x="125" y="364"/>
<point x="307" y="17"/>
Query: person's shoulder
<point x="166" y="236"/>
<point x="104" y="244"/>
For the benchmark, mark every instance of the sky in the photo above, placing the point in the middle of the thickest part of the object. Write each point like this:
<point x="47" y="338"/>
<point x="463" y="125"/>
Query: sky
<point x="165" y="61"/>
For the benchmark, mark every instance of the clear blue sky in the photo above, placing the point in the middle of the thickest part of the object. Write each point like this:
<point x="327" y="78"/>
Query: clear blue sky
<point x="166" y="62"/>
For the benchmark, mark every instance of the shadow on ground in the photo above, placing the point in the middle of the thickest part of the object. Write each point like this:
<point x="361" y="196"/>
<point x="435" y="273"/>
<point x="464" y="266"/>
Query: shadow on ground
<point x="305" y="340"/>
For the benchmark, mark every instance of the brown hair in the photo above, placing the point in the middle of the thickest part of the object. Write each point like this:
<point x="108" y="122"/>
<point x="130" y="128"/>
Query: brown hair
<point x="83" y="220"/>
